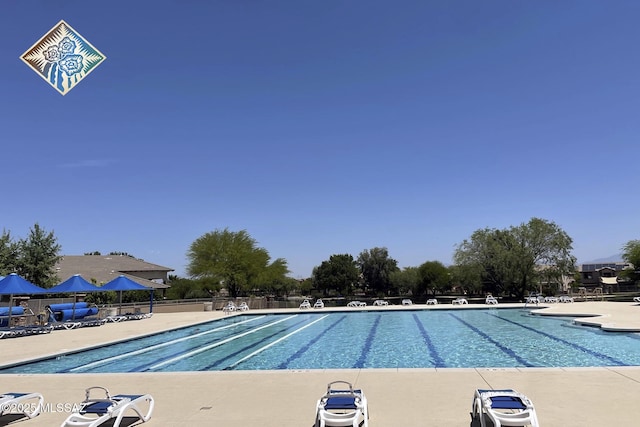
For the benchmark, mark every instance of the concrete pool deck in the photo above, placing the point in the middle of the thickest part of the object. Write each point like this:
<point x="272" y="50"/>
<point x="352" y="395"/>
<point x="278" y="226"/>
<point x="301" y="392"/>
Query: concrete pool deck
<point x="407" y="397"/>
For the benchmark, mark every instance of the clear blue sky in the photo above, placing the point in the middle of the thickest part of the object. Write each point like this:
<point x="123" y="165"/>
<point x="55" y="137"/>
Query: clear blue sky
<point x="325" y="127"/>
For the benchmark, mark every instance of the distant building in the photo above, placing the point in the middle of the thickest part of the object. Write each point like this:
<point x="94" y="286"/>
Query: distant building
<point x="603" y="275"/>
<point x="101" y="269"/>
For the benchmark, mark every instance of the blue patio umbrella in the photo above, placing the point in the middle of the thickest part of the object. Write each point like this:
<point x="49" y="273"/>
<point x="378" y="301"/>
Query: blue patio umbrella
<point x="15" y="285"/>
<point x="74" y="284"/>
<point x="123" y="283"/>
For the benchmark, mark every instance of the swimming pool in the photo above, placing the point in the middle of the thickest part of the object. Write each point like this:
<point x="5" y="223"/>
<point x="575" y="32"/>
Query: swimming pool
<point x="368" y="339"/>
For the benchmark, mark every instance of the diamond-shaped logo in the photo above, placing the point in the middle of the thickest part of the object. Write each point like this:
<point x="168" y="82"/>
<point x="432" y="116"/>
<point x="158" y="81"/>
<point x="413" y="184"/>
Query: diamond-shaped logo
<point x="63" y="57"/>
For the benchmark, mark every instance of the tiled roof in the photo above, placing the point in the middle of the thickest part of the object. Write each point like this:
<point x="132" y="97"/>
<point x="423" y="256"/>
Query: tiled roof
<point x="103" y="269"/>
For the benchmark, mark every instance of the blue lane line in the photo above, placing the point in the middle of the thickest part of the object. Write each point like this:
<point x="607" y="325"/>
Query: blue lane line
<point x="306" y="347"/>
<point x="563" y="341"/>
<point x="506" y="350"/>
<point x="435" y="355"/>
<point x="367" y="343"/>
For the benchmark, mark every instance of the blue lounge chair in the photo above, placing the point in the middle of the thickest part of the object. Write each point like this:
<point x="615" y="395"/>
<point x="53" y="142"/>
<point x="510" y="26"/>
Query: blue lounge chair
<point x="96" y="411"/>
<point x="342" y="407"/>
<point x="25" y="404"/>
<point x="503" y="408"/>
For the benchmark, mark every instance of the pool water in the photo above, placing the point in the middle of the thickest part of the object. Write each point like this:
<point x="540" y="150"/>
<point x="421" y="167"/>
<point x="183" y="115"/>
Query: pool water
<point x="369" y="339"/>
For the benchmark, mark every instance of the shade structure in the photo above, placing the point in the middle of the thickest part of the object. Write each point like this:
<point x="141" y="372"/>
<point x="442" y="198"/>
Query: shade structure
<point x="74" y="284"/>
<point x="123" y="283"/>
<point x="13" y="284"/>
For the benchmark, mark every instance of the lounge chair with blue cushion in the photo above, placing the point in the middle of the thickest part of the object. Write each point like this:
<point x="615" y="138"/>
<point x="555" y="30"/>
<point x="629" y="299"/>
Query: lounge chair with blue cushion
<point x="26" y="404"/>
<point x="342" y="407"/>
<point x="503" y="408"/>
<point x="96" y="411"/>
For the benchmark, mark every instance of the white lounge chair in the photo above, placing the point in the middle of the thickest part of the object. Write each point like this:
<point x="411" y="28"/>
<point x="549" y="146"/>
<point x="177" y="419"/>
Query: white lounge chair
<point x="96" y="411"/>
<point x="503" y="408"/>
<point x="318" y="304"/>
<point x="432" y="301"/>
<point x="305" y="305"/>
<point x="459" y="301"/>
<point x="243" y="306"/>
<point x="342" y="407"/>
<point x="380" y="303"/>
<point x="27" y="404"/>
<point x="357" y="304"/>
<point x="636" y="299"/>
<point x="116" y="318"/>
<point x="565" y="298"/>
<point x="491" y="300"/>
<point x="229" y="308"/>
<point x="407" y="302"/>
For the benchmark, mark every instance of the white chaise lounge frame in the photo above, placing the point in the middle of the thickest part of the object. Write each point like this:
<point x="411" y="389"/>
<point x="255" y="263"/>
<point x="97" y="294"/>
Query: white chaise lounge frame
<point x="110" y="407"/>
<point x="484" y="407"/>
<point x="352" y="415"/>
<point x="27" y="404"/>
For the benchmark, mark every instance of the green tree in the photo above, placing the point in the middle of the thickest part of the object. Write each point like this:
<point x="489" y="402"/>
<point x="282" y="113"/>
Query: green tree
<point x="185" y="288"/>
<point x="485" y="261"/>
<point x="514" y="260"/>
<point x="466" y="278"/>
<point x="546" y="250"/>
<point x="433" y="277"/>
<point x="404" y="281"/>
<point x="631" y="254"/>
<point x="231" y="259"/>
<point x="38" y="255"/>
<point x="9" y="251"/>
<point x="305" y="286"/>
<point x="273" y="279"/>
<point x="338" y="274"/>
<point x="376" y="267"/>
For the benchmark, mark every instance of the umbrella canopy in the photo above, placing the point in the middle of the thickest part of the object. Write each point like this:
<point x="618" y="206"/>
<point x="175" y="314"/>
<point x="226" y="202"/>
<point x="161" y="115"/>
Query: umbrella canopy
<point x="15" y="285"/>
<point x="122" y="283"/>
<point x="74" y="284"/>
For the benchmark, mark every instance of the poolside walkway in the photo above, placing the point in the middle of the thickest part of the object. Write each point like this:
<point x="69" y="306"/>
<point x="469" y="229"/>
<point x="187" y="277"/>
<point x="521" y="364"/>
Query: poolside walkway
<point x="397" y="397"/>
